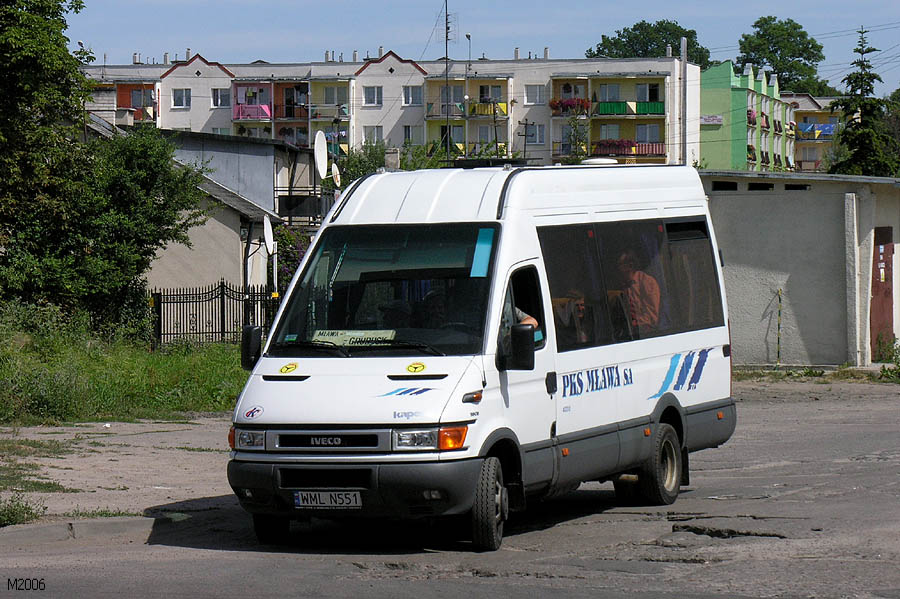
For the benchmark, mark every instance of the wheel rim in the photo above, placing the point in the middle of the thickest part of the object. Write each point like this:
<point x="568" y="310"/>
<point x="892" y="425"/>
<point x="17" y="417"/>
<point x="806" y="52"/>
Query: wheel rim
<point x="498" y="504"/>
<point x="670" y="465"/>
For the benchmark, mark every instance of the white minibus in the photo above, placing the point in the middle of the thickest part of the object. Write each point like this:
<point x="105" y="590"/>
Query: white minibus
<point x="461" y="342"/>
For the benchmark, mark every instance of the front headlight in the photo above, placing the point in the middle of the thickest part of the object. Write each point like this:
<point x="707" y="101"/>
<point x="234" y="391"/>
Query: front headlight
<point x="250" y="440"/>
<point x="432" y="439"/>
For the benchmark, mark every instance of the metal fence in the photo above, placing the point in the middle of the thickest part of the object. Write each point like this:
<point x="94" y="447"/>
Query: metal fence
<point x="212" y="313"/>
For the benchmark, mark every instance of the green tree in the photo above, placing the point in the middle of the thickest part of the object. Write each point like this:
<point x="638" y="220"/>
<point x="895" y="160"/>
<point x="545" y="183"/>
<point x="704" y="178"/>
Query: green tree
<point x="870" y="148"/>
<point x="784" y="48"/>
<point x="649" y="40"/>
<point x="80" y="221"/>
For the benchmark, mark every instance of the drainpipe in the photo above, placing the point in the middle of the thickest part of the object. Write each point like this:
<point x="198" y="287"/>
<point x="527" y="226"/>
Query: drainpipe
<point x="684" y="96"/>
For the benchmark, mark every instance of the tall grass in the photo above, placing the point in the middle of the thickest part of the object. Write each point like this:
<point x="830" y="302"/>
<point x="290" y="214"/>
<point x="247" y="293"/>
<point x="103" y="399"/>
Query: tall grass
<point x="53" y="368"/>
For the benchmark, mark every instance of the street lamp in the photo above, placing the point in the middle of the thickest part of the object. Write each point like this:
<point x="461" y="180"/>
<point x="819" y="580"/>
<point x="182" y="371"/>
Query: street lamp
<point x="466" y="97"/>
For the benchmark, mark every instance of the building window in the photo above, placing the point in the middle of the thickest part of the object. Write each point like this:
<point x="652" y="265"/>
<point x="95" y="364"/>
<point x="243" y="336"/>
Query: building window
<point x="373" y="133"/>
<point x="647" y="134"/>
<point x="141" y="98"/>
<point x="534" y="94"/>
<point x="484" y="134"/>
<point x="489" y="93"/>
<point x="648" y="92"/>
<point x="412" y="95"/>
<point x="572" y="90"/>
<point x="221" y="130"/>
<point x="809" y="153"/>
<point x="221" y="97"/>
<point x="609" y="132"/>
<point x="335" y="95"/>
<point x="413" y="135"/>
<point x="454" y="96"/>
<point x="534" y="134"/>
<point x="181" y="98"/>
<point x="609" y="92"/>
<point x="372" y="95"/>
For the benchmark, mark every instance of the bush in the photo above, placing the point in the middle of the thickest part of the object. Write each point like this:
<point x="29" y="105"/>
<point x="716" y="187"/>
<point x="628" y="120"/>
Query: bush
<point x="18" y="510"/>
<point x="54" y="368"/>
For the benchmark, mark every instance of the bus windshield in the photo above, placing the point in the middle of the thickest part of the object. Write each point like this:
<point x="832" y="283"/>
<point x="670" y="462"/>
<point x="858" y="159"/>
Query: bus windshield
<point x="391" y="290"/>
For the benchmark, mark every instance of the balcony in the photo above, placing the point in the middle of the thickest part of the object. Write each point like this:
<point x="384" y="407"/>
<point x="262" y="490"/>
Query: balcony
<point x="291" y="112"/>
<point x="816" y="132"/>
<point x="329" y="111"/>
<point x="433" y="109"/>
<point x="604" y="108"/>
<point x="487" y="109"/>
<point x="570" y="106"/>
<point x="627" y="147"/>
<point x="251" y="112"/>
<point x="650" y="108"/>
<point x="564" y="148"/>
<point x="809" y="165"/>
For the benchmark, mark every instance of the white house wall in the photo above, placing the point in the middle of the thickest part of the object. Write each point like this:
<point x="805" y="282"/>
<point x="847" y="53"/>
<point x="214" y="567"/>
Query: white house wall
<point x="815" y="246"/>
<point x="201" y="78"/>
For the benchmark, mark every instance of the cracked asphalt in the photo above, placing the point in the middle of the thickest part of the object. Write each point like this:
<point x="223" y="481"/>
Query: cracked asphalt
<point x="803" y="501"/>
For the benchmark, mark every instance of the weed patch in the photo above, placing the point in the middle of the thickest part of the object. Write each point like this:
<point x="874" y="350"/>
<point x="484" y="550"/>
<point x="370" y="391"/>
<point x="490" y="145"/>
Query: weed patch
<point x="99" y="513"/>
<point x="18" y="510"/>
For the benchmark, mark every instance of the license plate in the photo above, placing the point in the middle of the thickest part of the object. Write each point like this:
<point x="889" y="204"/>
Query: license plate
<point x="328" y="500"/>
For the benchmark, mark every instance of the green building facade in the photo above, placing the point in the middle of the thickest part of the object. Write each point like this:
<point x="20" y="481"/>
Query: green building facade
<point x="744" y="124"/>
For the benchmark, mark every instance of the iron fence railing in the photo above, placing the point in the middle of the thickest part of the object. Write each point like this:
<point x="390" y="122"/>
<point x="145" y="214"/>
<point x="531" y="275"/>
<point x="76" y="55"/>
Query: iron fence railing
<point x="211" y="313"/>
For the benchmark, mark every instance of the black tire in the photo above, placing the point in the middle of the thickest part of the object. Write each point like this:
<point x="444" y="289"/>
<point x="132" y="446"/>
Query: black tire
<point x="659" y="478"/>
<point x="271" y="530"/>
<point x="491" y="507"/>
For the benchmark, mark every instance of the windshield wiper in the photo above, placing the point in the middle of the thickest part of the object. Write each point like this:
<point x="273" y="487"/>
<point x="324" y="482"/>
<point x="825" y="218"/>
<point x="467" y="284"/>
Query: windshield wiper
<point x="318" y="345"/>
<point x="392" y="343"/>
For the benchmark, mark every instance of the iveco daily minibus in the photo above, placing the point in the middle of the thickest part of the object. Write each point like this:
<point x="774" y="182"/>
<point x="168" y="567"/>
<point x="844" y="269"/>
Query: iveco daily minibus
<point x="465" y="341"/>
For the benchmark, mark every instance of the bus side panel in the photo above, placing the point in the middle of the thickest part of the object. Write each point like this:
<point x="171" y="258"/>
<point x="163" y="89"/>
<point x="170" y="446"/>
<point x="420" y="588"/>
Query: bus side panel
<point x="709" y="425"/>
<point x="588" y="455"/>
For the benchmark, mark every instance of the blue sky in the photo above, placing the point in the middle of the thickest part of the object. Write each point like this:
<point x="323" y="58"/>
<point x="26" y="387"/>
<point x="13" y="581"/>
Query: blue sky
<point x="233" y="31"/>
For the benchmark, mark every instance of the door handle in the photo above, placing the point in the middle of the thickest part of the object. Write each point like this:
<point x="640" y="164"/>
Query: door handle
<point x="550" y="382"/>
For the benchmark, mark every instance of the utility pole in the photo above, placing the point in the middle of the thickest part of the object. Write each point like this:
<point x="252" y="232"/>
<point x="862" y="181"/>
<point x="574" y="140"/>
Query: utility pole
<point x="526" y="123"/>
<point x="447" y="72"/>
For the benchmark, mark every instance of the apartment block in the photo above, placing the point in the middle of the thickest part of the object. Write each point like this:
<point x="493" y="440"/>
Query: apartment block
<point x="745" y="124"/>
<point x="817" y="127"/>
<point x="538" y="108"/>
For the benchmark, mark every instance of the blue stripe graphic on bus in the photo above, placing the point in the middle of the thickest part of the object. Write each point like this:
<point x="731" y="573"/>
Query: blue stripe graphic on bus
<point x="698" y="371"/>
<point x="408" y="391"/>
<point x="687" y="364"/>
<point x="685" y="370"/>
<point x="670" y="376"/>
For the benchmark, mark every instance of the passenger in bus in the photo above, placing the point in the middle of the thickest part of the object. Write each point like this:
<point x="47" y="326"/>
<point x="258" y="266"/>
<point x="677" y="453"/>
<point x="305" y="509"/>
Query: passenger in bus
<point x="641" y="293"/>
<point x="573" y="325"/>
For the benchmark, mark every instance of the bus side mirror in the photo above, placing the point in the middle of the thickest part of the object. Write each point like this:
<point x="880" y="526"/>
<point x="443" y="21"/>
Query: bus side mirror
<point x="521" y="354"/>
<point x="251" y="345"/>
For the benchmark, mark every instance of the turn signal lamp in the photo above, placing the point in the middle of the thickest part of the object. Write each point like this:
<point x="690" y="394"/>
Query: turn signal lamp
<point x="452" y="437"/>
<point x="231" y="437"/>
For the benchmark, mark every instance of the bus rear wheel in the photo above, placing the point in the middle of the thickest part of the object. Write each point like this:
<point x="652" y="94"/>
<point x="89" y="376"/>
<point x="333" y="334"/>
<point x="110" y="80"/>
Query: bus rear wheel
<point x="659" y="479"/>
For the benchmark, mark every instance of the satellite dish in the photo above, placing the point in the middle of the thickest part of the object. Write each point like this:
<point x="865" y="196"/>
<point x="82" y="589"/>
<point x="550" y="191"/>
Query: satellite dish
<point x="335" y="175"/>
<point x="320" y="153"/>
<point x="267" y="234"/>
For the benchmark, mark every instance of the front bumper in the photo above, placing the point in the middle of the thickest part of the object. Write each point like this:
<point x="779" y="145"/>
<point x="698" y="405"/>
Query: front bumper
<point x="402" y="490"/>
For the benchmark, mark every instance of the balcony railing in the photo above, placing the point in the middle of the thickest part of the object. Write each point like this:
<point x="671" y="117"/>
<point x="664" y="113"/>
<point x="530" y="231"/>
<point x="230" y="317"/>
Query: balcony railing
<point x="433" y="109"/>
<point x="564" y="148"/>
<point x="291" y="111"/>
<point x="815" y="131"/>
<point x="487" y="109"/>
<point x="650" y="108"/>
<point x="252" y="112"/>
<point x="627" y="147"/>
<point x="569" y="106"/>
<point x="329" y="111"/>
<point x="610" y="108"/>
